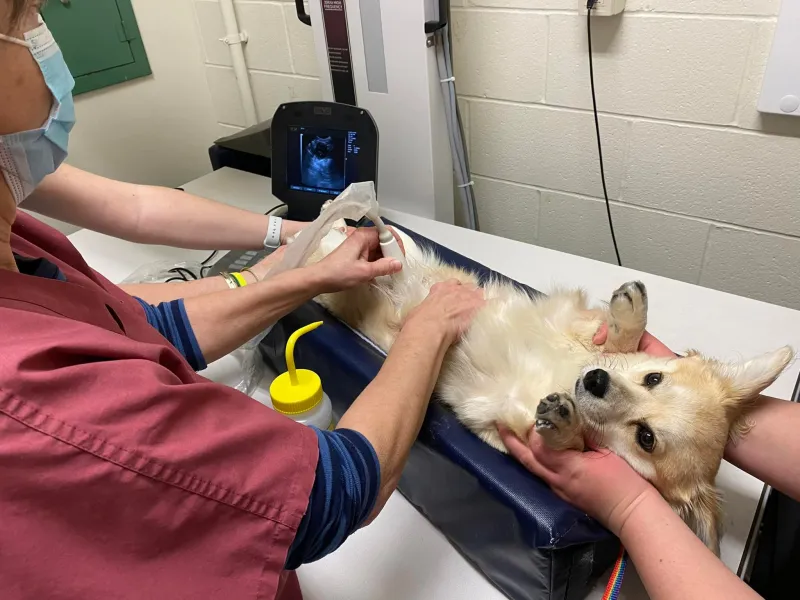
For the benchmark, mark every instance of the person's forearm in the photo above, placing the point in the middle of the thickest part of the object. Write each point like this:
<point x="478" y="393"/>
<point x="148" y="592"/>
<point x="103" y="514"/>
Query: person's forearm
<point x="156" y="293"/>
<point x="389" y="412"/>
<point x="148" y="214"/>
<point x="176" y="218"/>
<point x="223" y="321"/>
<point x="671" y="560"/>
<point x="770" y="449"/>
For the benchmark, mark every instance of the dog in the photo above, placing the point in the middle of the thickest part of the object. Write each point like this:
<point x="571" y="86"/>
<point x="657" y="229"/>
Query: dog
<point x="529" y="361"/>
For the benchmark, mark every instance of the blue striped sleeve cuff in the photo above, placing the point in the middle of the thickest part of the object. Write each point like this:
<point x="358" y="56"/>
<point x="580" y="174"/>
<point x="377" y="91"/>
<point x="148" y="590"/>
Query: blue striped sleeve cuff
<point x="171" y="321"/>
<point x="343" y="496"/>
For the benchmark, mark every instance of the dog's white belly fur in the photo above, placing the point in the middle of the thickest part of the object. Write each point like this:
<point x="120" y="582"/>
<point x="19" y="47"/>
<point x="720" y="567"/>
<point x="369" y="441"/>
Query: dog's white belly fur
<point x="517" y="351"/>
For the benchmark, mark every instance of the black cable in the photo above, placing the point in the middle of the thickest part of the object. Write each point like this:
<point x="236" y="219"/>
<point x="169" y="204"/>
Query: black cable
<point x="589" y="6"/>
<point x="183" y="272"/>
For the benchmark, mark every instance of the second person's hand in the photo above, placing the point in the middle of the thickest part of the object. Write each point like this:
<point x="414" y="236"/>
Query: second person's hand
<point x="649" y="344"/>
<point x="598" y="481"/>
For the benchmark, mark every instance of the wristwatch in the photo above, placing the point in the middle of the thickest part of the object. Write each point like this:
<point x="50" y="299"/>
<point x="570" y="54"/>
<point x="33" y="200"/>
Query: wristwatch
<point x="273" y="239"/>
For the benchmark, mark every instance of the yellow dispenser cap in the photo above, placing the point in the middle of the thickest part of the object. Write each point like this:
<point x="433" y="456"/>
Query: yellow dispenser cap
<point x="297" y="390"/>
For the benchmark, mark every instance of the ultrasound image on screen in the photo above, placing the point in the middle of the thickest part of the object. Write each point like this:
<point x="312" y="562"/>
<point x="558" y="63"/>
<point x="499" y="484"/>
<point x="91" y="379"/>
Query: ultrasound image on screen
<point x="323" y="161"/>
<point x="320" y="160"/>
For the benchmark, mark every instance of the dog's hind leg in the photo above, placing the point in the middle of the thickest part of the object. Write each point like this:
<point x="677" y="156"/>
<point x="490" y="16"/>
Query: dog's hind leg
<point x="627" y="318"/>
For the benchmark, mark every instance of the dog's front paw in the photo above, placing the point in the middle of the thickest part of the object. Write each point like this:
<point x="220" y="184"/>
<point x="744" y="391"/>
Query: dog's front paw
<point x="558" y="422"/>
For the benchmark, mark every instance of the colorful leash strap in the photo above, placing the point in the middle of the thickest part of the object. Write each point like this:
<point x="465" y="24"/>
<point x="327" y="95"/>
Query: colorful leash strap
<point x="615" y="581"/>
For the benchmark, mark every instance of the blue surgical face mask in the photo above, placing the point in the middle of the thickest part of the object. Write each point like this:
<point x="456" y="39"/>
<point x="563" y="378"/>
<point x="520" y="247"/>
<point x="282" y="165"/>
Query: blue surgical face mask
<point x="29" y="156"/>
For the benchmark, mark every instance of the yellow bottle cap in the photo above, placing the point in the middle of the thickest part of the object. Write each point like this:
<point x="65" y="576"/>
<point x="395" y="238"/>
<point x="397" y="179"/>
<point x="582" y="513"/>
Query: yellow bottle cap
<point x="297" y="390"/>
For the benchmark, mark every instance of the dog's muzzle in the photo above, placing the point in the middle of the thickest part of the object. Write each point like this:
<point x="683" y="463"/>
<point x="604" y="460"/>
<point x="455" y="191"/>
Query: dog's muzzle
<point x="596" y="382"/>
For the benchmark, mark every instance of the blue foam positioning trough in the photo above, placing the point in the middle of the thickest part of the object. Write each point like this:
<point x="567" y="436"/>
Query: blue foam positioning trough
<point x="525" y="540"/>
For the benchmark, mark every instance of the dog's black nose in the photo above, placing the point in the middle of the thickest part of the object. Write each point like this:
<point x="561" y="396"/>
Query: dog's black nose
<point x="596" y="382"/>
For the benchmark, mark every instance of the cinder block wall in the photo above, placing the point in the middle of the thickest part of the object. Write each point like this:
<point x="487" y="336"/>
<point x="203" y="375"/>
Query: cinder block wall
<point x="280" y="56"/>
<point x="704" y="188"/>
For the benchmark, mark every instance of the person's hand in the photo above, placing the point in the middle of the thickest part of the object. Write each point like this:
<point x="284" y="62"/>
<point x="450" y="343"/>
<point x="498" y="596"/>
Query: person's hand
<point x="357" y="260"/>
<point x="648" y="344"/>
<point x="376" y="253"/>
<point x="261" y="269"/>
<point x="449" y="308"/>
<point x="597" y="482"/>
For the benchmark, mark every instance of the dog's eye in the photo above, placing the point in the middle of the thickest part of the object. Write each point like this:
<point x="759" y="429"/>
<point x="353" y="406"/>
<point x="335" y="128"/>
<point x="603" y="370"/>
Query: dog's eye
<point x="653" y="379"/>
<point x="645" y="438"/>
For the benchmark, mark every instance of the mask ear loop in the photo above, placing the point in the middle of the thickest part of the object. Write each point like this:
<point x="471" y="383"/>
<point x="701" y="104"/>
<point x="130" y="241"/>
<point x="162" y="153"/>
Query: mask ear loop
<point x="17" y="41"/>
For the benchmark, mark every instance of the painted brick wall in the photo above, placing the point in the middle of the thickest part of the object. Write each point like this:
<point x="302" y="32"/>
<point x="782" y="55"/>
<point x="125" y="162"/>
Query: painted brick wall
<point x="704" y="188"/>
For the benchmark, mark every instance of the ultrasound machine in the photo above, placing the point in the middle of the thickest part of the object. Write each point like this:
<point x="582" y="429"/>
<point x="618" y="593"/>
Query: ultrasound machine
<point x="316" y="150"/>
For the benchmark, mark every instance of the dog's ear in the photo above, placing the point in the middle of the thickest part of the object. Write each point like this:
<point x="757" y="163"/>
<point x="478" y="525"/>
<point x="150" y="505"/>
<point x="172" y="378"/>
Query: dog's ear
<point x="749" y="378"/>
<point x="702" y="512"/>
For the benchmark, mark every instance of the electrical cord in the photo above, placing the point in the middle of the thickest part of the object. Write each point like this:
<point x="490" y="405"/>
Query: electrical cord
<point x="205" y="266"/>
<point x="455" y="128"/>
<point x="183" y="273"/>
<point x="274" y="208"/>
<point x="589" y="6"/>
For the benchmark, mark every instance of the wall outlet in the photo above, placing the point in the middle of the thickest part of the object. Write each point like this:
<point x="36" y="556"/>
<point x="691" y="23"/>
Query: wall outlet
<point x="780" y="92"/>
<point x="604" y="8"/>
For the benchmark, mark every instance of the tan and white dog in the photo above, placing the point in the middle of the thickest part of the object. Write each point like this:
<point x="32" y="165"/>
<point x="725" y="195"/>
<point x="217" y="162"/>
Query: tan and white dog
<point x="530" y="362"/>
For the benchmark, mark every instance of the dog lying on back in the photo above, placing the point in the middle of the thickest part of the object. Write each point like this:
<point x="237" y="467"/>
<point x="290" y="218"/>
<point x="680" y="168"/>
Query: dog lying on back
<point x="530" y="362"/>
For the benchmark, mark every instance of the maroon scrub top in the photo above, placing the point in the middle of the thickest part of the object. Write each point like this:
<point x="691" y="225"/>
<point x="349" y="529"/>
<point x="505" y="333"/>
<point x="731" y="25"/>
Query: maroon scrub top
<point x="123" y="473"/>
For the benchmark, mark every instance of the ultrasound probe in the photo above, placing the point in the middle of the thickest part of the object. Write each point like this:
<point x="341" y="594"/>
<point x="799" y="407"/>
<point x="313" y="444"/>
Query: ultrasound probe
<point x="389" y="245"/>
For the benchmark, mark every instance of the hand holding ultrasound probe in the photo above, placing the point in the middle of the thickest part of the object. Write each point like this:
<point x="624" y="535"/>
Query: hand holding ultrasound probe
<point x="324" y="156"/>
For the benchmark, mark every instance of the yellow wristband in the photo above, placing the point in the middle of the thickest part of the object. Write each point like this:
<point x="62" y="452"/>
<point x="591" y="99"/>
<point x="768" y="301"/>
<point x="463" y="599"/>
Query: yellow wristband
<point x="239" y="279"/>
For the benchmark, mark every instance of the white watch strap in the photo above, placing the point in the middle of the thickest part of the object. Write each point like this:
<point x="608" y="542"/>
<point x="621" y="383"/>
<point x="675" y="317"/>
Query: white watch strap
<point x="273" y="239"/>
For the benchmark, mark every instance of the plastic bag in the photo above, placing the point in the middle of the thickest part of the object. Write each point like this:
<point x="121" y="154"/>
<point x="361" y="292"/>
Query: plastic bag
<point x="353" y="203"/>
<point x="244" y="368"/>
<point x="162" y="271"/>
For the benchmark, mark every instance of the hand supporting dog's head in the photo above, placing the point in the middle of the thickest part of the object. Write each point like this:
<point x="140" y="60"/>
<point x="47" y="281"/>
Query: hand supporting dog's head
<point x="670" y="419"/>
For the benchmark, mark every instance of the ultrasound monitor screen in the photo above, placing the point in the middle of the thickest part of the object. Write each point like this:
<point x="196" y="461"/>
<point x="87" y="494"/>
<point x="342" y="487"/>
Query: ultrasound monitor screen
<point x="321" y="160"/>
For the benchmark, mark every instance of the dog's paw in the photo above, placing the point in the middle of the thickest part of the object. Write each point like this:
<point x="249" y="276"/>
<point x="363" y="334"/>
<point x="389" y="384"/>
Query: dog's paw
<point x="629" y="302"/>
<point x="627" y="317"/>
<point x="558" y="423"/>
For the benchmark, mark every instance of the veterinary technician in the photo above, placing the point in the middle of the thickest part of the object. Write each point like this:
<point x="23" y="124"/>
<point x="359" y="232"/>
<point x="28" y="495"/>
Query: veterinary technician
<point x="670" y="559"/>
<point x="123" y="474"/>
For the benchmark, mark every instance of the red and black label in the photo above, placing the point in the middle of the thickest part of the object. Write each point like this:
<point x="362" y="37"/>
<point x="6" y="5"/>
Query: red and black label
<point x="334" y="17"/>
